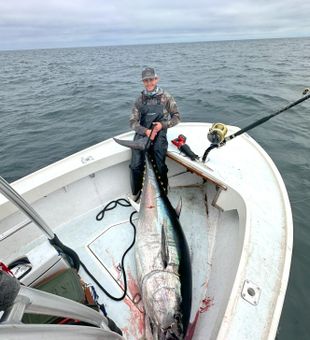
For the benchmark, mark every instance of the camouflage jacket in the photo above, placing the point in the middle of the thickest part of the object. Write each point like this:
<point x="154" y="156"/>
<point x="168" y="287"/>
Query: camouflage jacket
<point x="170" y="111"/>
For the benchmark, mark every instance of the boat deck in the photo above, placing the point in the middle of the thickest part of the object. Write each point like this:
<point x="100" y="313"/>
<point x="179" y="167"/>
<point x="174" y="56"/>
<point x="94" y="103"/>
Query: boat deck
<point x="101" y="244"/>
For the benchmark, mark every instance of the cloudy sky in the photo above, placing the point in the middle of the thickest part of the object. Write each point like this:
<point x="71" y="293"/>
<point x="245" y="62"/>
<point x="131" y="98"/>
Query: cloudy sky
<point x="66" y="23"/>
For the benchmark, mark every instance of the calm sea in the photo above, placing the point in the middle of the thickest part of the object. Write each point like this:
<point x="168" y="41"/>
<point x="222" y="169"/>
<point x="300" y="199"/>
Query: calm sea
<point x="58" y="101"/>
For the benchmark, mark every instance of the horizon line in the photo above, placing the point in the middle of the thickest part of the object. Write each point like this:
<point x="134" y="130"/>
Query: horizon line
<point x="151" y="43"/>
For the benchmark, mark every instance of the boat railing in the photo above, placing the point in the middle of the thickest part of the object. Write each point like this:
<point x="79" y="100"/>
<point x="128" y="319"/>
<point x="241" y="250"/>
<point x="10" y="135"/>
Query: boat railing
<point x="34" y="301"/>
<point x="7" y="190"/>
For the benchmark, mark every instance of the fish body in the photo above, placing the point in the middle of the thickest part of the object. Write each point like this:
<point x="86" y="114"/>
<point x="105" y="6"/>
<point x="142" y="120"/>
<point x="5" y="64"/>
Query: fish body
<point x="163" y="262"/>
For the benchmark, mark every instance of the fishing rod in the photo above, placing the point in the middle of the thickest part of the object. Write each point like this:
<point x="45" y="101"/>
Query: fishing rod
<point x="218" y="131"/>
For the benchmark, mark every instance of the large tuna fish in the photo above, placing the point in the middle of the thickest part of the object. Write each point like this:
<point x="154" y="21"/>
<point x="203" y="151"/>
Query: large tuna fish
<point x="163" y="262"/>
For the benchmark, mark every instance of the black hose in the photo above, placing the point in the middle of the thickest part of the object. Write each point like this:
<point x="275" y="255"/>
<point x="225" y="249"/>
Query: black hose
<point x="110" y="206"/>
<point x="74" y="259"/>
<point x="106" y="208"/>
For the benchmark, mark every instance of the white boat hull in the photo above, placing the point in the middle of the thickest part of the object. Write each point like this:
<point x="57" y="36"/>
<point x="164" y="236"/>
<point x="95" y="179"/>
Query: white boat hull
<point x="236" y="217"/>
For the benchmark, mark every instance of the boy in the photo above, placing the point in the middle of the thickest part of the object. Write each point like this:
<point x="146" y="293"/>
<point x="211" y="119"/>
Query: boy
<point x="153" y="108"/>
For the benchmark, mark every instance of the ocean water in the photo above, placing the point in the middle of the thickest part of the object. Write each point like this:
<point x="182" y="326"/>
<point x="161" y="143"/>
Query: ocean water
<point x="55" y="102"/>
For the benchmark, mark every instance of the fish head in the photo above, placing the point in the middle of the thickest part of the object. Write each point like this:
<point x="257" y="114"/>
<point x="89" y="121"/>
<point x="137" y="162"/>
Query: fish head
<point x="162" y="296"/>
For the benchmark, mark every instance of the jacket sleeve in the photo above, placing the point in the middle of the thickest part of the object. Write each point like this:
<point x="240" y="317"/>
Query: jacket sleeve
<point x="134" y="120"/>
<point x="172" y="109"/>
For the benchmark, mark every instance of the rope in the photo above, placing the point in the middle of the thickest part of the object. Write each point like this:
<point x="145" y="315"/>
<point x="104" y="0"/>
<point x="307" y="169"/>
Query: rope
<point x="110" y="206"/>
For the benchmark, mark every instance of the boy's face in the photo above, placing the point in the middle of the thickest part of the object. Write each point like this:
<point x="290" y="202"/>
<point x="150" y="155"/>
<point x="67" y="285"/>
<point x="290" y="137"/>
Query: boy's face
<point x="150" y="84"/>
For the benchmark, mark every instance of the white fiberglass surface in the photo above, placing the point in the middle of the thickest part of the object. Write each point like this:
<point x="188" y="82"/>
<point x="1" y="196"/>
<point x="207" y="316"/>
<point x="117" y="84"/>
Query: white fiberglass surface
<point x="101" y="245"/>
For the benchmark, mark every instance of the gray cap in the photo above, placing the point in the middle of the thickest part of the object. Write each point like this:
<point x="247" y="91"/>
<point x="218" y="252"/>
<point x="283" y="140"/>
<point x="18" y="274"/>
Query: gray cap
<point x="148" y="73"/>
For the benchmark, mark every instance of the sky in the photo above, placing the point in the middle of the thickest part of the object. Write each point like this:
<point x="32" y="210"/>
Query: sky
<point x="28" y="24"/>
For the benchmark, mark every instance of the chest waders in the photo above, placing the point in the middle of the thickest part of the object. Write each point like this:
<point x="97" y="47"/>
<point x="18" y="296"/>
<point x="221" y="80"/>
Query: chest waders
<point x="149" y="114"/>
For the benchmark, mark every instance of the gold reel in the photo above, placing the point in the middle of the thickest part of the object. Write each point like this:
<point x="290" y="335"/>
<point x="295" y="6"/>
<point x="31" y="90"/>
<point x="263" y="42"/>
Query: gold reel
<point x="217" y="133"/>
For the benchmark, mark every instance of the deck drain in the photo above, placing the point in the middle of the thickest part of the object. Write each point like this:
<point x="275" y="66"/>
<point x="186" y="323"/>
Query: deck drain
<point x="251" y="292"/>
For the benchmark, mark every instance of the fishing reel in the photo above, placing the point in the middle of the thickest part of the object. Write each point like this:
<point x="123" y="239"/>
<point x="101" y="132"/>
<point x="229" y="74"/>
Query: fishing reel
<point x="217" y="133"/>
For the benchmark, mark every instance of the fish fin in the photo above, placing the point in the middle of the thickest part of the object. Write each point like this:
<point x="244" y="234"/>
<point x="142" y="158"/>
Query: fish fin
<point x="179" y="207"/>
<point x="164" y="249"/>
<point x="139" y="144"/>
<point x="134" y="204"/>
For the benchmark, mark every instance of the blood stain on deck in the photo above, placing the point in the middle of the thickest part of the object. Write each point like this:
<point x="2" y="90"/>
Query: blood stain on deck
<point x="136" y="320"/>
<point x="206" y="303"/>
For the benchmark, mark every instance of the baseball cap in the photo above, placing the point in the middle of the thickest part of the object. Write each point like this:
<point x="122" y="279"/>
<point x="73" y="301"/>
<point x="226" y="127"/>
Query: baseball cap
<point x="148" y="73"/>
